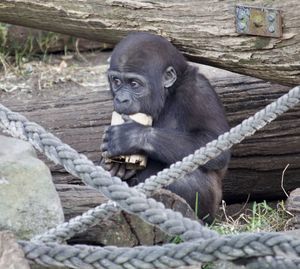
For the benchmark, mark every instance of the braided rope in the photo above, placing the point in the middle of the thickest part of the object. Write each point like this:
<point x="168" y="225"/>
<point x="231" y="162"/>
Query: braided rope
<point x="151" y="211"/>
<point x="179" y="169"/>
<point x="129" y="199"/>
<point x="78" y="224"/>
<point x="228" y="248"/>
<point x="273" y="262"/>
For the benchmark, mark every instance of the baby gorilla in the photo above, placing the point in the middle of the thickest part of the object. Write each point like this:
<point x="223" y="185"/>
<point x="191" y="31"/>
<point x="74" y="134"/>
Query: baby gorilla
<point x="147" y="74"/>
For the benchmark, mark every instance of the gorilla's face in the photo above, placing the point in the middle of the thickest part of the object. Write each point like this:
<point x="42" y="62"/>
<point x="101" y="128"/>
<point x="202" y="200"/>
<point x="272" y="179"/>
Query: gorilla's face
<point x="142" y="70"/>
<point x="130" y="90"/>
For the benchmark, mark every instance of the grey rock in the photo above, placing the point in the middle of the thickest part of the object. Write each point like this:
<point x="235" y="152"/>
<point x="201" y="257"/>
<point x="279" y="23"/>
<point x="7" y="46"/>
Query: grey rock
<point x="293" y="206"/>
<point x="29" y="202"/>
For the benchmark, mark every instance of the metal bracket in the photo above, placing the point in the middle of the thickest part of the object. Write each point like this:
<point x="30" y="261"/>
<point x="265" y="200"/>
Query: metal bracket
<point x="259" y="21"/>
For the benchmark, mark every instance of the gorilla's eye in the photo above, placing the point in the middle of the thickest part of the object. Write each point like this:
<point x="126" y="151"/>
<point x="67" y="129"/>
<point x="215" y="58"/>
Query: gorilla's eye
<point x="134" y="84"/>
<point x="116" y="81"/>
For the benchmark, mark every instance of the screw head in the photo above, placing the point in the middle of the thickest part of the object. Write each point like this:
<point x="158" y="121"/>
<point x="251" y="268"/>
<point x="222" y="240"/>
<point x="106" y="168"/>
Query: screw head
<point x="241" y="26"/>
<point x="271" y="17"/>
<point x="271" y="29"/>
<point x="241" y="14"/>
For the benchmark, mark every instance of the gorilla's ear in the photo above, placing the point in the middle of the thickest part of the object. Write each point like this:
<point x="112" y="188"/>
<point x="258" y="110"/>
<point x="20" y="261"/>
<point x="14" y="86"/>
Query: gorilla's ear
<point x="169" y="77"/>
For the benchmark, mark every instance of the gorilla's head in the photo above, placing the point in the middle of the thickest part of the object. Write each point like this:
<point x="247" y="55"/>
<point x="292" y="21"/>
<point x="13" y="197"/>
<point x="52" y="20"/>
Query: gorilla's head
<point x="144" y="69"/>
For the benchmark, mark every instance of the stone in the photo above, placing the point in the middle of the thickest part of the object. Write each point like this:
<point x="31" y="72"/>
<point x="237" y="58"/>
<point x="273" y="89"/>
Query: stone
<point x="293" y="206"/>
<point x="29" y="204"/>
<point x="11" y="255"/>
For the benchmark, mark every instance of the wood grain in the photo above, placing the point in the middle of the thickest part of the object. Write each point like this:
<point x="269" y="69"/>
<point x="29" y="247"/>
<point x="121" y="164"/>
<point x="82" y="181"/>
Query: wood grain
<point x="203" y="30"/>
<point x="257" y="163"/>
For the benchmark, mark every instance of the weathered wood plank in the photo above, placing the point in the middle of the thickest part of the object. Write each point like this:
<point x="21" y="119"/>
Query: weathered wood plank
<point x="204" y="30"/>
<point x="256" y="165"/>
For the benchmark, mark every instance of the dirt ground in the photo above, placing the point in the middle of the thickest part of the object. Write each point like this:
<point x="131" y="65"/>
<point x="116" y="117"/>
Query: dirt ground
<point x="69" y="74"/>
<point x="57" y="75"/>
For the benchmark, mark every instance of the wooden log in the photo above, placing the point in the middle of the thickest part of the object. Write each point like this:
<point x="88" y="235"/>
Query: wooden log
<point x="257" y="163"/>
<point x="204" y="30"/>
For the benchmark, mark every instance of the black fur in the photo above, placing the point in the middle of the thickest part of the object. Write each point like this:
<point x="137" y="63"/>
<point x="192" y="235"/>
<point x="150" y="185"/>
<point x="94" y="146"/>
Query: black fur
<point x="187" y="115"/>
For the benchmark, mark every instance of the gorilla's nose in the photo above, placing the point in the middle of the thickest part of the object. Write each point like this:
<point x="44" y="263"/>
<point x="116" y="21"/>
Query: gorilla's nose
<point x="122" y="99"/>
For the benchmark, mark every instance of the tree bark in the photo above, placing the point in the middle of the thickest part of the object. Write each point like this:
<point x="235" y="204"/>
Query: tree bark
<point x="257" y="163"/>
<point x="203" y="30"/>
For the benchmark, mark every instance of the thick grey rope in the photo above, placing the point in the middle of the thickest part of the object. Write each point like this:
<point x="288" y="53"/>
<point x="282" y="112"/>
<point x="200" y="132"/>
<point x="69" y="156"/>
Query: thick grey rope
<point x="78" y="224"/>
<point x="248" y="127"/>
<point x="179" y="169"/>
<point x="229" y="248"/>
<point x="273" y="262"/>
<point x="129" y="199"/>
<point x="293" y="94"/>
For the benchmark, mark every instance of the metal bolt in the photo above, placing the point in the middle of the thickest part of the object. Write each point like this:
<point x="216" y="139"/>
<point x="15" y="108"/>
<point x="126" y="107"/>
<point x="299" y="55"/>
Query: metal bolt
<point x="241" y="25"/>
<point x="271" y="17"/>
<point x="271" y="29"/>
<point x="241" y="14"/>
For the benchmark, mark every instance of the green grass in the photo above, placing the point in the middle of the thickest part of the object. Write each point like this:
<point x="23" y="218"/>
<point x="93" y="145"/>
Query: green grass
<point x="176" y="240"/>
<point x="35" y="46"/>
<point x="260" y="217"/>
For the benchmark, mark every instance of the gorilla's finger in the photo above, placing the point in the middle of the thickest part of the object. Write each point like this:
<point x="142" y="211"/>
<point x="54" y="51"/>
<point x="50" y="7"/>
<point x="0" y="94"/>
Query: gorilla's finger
<point x="105" y="165"/>
<point x="121" y="171"/>
<point x="99" y="162"/>
<point x="102" y="160"/>
<point x="108" y="166"/>
<point x="129" y="174"/>
<point x="115" y="168"/>
<point x="105" y="137"/>
<point x="104" y="154"/>
<point x="105" y="133"/>
<point x="126" y="118"/>
<point x="104" y="147"/>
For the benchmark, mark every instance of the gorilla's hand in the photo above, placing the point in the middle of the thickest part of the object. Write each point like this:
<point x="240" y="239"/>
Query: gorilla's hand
<point x="124" y="139"/>
<point x="117" y="169"/>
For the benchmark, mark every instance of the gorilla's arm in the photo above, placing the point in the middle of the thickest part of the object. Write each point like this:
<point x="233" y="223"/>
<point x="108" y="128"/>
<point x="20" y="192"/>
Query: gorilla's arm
<point x="169" y="146"/>
<point x="164" y="145"/>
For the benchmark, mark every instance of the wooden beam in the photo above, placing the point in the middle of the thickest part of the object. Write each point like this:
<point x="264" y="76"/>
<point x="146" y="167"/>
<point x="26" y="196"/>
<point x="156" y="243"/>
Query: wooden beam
<point x="203" y="30"/>
<point x="257" y="163"/>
